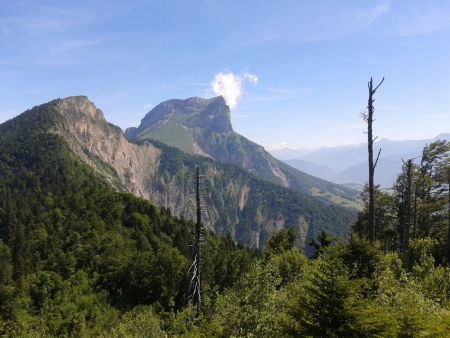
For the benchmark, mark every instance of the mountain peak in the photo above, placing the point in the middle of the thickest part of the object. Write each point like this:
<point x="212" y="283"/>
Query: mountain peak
<point x="194" y="102"/>
<point x="79" y="105"/>
<point x="193" y="112"/>
<point x="201" y="102"/>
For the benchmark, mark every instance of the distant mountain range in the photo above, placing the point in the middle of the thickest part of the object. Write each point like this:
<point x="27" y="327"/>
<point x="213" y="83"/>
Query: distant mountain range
<point x="348" y="164"/>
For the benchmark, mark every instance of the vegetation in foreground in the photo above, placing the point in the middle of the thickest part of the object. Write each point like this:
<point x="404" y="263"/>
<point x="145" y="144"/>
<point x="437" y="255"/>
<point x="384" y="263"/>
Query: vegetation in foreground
<point x="78" y="259"/>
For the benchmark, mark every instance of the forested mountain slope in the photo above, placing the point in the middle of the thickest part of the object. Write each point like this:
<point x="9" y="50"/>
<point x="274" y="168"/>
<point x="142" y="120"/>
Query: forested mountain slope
<point x="74" y="253"/>
<point x="237" y="202"/>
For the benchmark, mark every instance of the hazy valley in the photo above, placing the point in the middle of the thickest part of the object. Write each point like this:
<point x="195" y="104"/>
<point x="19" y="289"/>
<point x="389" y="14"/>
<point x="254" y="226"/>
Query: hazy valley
<point x="348" y="164"/>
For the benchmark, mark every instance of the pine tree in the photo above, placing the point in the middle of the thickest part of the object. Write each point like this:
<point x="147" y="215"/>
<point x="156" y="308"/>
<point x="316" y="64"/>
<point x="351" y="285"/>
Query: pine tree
<point x="331" y="296"/>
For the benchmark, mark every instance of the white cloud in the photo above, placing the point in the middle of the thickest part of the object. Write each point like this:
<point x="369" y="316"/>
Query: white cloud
<point x="148" y="106"/>
<point x="424" y="18"/>
<point x="251" y="77"/>
<point x="229" y="85"/>
<point x="377" y="12"/>
<point x="437" y="116"/>
<point x="72" y="45"/>
<point x="318" y="23"/>
<point x="349" y="126"/>
<point x="277" y="146"/>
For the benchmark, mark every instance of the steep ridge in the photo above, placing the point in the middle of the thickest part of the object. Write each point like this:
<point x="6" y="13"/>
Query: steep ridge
<point x="237" y="202"/>
<point x="203" y="127"/>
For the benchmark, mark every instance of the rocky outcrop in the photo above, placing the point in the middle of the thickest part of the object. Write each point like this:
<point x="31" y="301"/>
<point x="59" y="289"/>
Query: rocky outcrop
<point x="92" y="138"/>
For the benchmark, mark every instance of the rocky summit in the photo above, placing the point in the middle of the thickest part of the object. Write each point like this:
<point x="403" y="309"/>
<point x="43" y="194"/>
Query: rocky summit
<point x="193" y="113"/>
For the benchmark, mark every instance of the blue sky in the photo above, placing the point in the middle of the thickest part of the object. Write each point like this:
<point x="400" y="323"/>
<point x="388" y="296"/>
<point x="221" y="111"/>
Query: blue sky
<point x="312" y="60"/>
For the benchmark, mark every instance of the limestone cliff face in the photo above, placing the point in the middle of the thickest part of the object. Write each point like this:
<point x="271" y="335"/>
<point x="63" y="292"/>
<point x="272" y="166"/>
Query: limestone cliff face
<point x="236" y="202"/>
<point x="93" y="138"/>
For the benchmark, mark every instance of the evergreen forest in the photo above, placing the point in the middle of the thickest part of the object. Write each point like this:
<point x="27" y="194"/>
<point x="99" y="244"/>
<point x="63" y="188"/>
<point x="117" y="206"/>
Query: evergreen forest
<point x="79" y="259"/>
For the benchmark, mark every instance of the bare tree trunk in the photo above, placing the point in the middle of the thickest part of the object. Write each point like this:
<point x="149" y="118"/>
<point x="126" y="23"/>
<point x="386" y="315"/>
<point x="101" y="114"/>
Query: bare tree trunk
<point x="370" y="139"/>
<point x="404" y="214"/>
<point x="448" y="236"/>
<point x="198" y="242"/>
<point x="415" y="211"/>
<point x="408" y="202"/>
<point x="195" y="270"/>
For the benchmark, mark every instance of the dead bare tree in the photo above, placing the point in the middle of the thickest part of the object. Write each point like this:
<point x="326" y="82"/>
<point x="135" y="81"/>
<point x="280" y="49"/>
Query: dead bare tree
<point x="368" y="118"/>
<point x="195" y="270"/>
<point x="448" y="236"/>
<point x="405" y="205"/>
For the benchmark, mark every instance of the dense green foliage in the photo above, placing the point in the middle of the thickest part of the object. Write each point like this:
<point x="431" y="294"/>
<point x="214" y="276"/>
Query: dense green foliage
<point x="418" y="205"/>
<point x="352" y="290"/>
<point x="75" y="254"/>
<point x="78" y="259"/>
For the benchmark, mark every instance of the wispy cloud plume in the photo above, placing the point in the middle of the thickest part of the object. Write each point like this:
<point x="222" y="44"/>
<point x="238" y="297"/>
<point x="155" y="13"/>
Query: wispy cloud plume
<point x="251" y="77"/>
<point x="72" y="45"/>
<point x="423" y="18"/>
<point x="277" y="146"/>
<point x="368" y="16"/>
<point x="38" y="20"/>
<point x="148" y="106"/>
<point x="349" y="126"/>
<point x="437" y="116"/>
<point x="327" y="25"/>
<point x="230" y="85"/>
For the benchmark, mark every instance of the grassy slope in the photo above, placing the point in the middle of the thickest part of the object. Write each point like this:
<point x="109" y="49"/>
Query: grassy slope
<point x="173" y="134"/>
